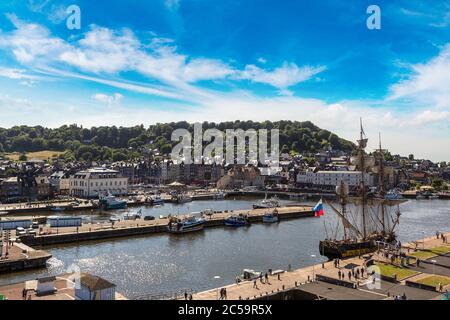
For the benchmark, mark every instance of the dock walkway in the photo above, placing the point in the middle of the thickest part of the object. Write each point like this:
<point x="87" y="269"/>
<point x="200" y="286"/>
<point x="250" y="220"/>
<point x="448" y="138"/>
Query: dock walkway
<point x="89" y="232"/>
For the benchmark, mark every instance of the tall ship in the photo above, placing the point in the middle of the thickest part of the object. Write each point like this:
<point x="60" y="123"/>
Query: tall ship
<point x="365" y="220"/>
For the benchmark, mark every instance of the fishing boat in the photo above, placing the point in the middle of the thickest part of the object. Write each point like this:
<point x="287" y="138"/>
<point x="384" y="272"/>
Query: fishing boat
<point x="267" y="203"/>
<point x="110" y="202"/>
<point x="237" y="221"/>
<point x="184" y="225"/>
<point x="183" y="198"/>
<point x="365" y="221"/>
<point x="271" y="217"/>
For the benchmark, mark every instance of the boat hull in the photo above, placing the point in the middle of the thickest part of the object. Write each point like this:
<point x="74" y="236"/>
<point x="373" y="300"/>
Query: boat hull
<point x="270" y="219"/>
<point x="116" y="206"/>
<point x="333" y="250"/>
<point x="235" y="224"/>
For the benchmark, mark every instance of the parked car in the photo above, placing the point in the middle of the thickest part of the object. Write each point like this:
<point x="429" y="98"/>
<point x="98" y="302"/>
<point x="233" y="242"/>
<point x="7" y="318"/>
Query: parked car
<point x="20" y="231"/>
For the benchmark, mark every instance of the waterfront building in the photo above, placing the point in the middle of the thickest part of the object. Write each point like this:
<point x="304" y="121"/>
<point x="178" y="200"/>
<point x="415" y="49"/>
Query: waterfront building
<point x="241" y="176"/>
<point x="330" y="179"/>
<point x="42" y="187"/>
<point x="60" y="182"/>
<point x="95" y="288"/>
<point x="10" y="189"/>
<point x="97" y="181"/>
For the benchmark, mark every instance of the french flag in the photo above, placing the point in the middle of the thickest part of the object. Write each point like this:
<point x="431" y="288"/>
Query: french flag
<point x="318" y="209"/>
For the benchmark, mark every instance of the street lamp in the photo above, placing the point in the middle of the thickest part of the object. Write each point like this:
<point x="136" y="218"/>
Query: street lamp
<point x="314" y="262"/>
<point x="423" y="240"/>
<point x="434" y="272"/>
<point x="217" y="278"/>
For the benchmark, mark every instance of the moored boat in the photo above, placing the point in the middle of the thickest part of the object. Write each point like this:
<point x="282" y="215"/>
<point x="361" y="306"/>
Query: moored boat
<point x="183" y="198"/>
<point x="184" y="225"/>
<point x="267" y="203"/>
<point x="237" y="221"/>
<point x="110" y="202"/>
<point x="366" y="219"/>
<point x="271" y="217"/>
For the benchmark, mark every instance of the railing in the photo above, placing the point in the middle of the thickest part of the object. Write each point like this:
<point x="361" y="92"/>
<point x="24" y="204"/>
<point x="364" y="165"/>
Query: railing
<point x="170" y="295"/>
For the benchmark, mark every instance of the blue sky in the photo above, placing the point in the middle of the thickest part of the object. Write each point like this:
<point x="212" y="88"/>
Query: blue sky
<point x="139" y="61"/>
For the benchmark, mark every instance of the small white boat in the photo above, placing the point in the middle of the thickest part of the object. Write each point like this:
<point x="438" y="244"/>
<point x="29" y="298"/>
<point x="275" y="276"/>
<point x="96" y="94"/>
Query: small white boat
<point x="267" y="203"/>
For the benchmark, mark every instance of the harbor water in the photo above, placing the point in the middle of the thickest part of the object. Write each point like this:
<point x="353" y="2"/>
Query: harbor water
<point x="162" y="264"/>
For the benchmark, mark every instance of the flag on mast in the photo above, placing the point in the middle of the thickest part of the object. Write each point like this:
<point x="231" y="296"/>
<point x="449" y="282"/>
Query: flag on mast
<point x="318" y="209"/>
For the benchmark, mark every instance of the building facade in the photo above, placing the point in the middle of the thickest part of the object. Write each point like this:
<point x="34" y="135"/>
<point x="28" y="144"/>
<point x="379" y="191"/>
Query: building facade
<point x="97" y="181"/>
<point x="330" y="179"/>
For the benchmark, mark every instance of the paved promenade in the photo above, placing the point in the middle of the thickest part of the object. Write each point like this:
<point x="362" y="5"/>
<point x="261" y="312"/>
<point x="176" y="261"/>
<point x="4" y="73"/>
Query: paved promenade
<point x="295" y="278"/>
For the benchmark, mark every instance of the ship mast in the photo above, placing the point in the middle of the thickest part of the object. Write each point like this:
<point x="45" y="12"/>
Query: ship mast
<point x="381" y="183"/>
<point x="362" y="143"/>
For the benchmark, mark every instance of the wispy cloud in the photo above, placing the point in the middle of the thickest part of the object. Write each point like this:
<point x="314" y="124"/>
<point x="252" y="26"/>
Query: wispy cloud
<point x="428" y="83"/>
<point x="112" y="100"/>
<point x="106" y="51"/>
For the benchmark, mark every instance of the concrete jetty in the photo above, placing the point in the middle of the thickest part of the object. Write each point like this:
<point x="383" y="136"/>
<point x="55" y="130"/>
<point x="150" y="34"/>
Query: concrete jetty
<point x="321" y="281"/>
<point x="22" y="257"/>
<point x="89" y="232"/>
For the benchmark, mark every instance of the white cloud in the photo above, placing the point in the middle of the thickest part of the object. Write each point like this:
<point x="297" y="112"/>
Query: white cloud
<point x="429" y="116"/>
<point x="16" y="74"/>
<point x="287" y="75"/>
<point x="105" y="51"/>
<point x="112" y="100"/>
<point x="262" y="60"/>
<point x="20" y="105"/>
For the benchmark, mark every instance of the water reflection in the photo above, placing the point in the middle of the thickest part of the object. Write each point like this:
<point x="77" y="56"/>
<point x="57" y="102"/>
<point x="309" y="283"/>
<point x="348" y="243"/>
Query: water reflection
<point x="164" y="263"/>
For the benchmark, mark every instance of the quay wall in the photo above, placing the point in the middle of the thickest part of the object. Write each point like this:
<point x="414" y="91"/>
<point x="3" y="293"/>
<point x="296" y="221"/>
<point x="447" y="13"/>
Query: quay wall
<point x="118" y="232"/>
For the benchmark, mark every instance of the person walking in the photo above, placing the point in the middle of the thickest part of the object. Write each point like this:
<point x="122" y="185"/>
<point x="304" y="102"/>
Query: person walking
<point x="254" y="284"/>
